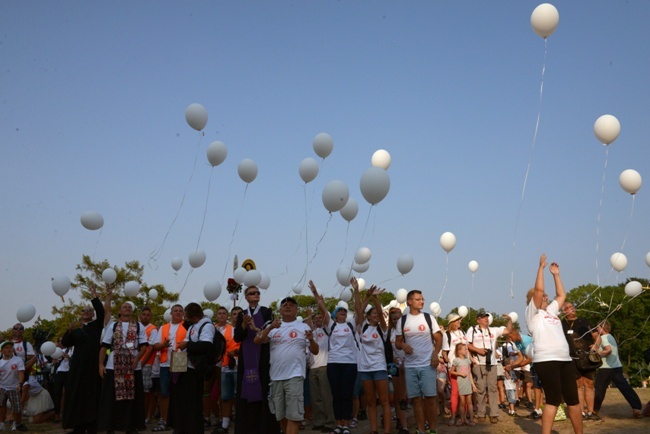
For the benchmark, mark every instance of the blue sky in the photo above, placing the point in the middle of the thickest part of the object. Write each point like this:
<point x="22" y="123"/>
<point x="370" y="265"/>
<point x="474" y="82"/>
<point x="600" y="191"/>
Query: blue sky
<point x="93" y="101"/>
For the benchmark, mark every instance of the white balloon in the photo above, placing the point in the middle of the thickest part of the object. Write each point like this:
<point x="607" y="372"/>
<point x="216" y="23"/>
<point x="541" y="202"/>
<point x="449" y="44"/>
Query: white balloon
<point x="343" y="275"/>
<point x="48" y="348"/>
<point x="196" y="116"/>
<point x="490" y="319"/>
<point x="361" y="268"/>
<point x="544" y="20"/>
<point x="153" y="294"/>
<point x="513" y="316"/>
<point x="177" y="263"/>
<point x="405" y="264"/>
<point x="167" y="316"/>
<point x="381" y="159"/>
<point x="196" y="258"/>
<point x="633" y="288"/>
<point x="297" y="288"/>
<point x="247" y="170"/>
<point x="374" y="185"/>
<point x="363" y="255"/>
<point x="342" y="304"/>
<point x="265" y="282"/>
<point x="350" y="210"/>
<point x="435" y="309"/>
<point x="362" y="283"/>
<point x="212" y="290"/>
<point x="401" y="295"/>
<point x="630" y="181"/>
<point x="393" y="303"/>
<point x="647" y="259"/>
<point x="109" y="276"/>
<point x="216" y="153"/>
<point x="335" y="195"/>
<point x="92" y="220"/>
<point x="346" y="295"/>
<point x="323" y="145"/>
<point x="58" y="353"/>
<point x="252" y="278"/>
<point x="308" y="169"/>
<point x="299" y="318"/>
<point x="26" y="313"/>
<point x="131" y="288"/>
<point x="618" y="261"/>
<point x="208" y="313"/>
<point x="448" y="241"/>
<point x="239" y="275"/>
<point x="473" y="266"/>
<point x="463" y="311"/>
<point x="607" y="128"/>
<point x="61" y="285"/>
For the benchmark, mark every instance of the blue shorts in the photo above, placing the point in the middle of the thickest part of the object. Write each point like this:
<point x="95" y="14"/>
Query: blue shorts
<point x="373" y="375"/>
<point x="421" y="381"/>
<point x="512" y="396"/>
<point x="357" y="386"/>
<point x="165" y="381"/>
<point x="228" y="385"/>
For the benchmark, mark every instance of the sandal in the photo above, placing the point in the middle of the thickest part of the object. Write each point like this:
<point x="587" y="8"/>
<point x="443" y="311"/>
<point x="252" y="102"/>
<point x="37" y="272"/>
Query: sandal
<point x="471" y="423"/>
<point x="460" y="422"/>
<point x="160" y="428"/>
<point x="452" y="422"/>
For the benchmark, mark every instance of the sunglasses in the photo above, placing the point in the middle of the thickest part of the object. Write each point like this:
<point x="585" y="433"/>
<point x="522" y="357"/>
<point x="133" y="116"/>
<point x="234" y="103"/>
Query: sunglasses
<point x="19" y="328"/>
<point x="253" y="293"/>
<point x="86" y="310"/>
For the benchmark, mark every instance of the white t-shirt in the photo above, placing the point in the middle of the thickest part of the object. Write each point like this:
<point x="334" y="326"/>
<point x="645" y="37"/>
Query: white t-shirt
<point x="64" y="364"/>
<point x="485" y="338"/>
<point x="398" y="355"/>
<point x="207" y="334"/>
<point x="153" y="337"/>
<point x="417" y="334"/>
<point x="133" y="347"/>
<point x="457" y="337"/>
<point x="9" y="372"/>
<point x="288" y="346"/>
<point x="343" y="348"/>
<point x="173" y="328"/>
<point x="19" y="349"/>
<point x="319" y="360"/>
<point x="545" y="327"/>
<point x="372" y="356"/>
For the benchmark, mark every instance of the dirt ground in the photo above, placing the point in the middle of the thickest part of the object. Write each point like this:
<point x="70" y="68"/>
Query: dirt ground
<point x="616" y="414"/>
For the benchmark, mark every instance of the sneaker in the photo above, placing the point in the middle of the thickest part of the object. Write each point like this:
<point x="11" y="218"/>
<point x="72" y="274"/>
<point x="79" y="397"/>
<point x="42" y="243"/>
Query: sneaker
<point x="502" y="406"/>
<point x="594" y="417"/>
<point x="535" y="415"/>
<point x="354" y="422"/>
<point x="512" y="414"/>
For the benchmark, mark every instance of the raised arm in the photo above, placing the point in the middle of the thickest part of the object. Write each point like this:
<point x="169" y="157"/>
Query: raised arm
<point x="321" y="303"/>
<point x="560" y="294"/>
<point x="538" y="295"/>
<point x="380" y="311"/>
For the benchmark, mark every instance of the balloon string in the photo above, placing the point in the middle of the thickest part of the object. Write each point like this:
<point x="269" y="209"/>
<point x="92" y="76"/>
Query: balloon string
<point x="97" y="242"/>
<point x="530" y="160"/>
<point x="205" y="210"/>
<point x="471" y="291"/>
<point x="232" y="238"/>
<point x="600" y="207"/>
<point x="389" y="279"/>
<point x="627" y="232"/>
<point x="155" y="254"/>
<point x="189" y="273"/>
<point x="321" y="238"/>
<point x="363" y="233"/>
<point x="305" y="227"/>
<point x="446" y="274"/>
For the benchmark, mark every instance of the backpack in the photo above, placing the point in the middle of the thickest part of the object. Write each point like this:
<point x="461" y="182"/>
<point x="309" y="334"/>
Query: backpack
<point x="388" y="347"/>
<point x="427" y="318"/>
<point x="217" y="349"/>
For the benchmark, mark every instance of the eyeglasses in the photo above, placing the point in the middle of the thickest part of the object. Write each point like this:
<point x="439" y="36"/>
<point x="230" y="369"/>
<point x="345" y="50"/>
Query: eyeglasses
<point x="19" y="328"/>
<point x="253" y="293"/>
<point x="86" y="310"/>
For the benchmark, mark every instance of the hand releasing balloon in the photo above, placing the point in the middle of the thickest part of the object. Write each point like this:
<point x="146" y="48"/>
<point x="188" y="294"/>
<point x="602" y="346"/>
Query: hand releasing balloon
<point x="448" y="241"/>
<point x="607" y="128"/>
<point x="405" y="264"/>
<point x="350" y="210"/>
<point x="323" y="145"/>
<point x="374" y="185"/>
<point x="247" y="170"/>
<point x="544" y="20"/>
<point x="216" y="153"/>
<point x="196" y="116"/>
<point x="381" y="159"/>
<point x="473" y="266"/>
<point x="335" y="195"/>
<point x="308" y="169"/>
<point x="92" y="220"/>
<point x="630" y="181"/>
<point x="618" y="261"/>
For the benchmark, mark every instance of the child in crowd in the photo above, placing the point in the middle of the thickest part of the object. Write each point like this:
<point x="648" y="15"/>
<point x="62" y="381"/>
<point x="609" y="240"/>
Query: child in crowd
<point x="12" y="376"/>
<point x="461" y="369"/>
<point x="510" y="383"/>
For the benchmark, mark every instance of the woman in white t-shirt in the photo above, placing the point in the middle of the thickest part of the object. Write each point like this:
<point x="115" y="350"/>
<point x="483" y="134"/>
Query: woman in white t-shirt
<point x="372" y="358"/>
<point x="553" y="365"/>
<point x="450" y="339"/>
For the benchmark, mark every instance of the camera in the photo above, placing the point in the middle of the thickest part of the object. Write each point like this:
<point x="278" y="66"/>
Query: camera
<point x="488" y="358"/>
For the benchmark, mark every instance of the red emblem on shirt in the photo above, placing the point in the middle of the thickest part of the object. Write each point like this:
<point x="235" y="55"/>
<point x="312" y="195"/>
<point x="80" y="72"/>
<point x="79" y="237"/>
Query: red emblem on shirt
<point x="421" y="327"/>
<point x="375" y="335"/>
<point x="14" y="367"/>
<point x="19" y="349"/>
<point x="293" y="334"/>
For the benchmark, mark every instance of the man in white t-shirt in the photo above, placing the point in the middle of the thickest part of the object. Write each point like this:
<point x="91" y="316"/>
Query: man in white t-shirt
<point x="419" y="336"/>
<point x="319" y="387"/>
<point x="289" y="340"/>
<point x="482" y="342"/>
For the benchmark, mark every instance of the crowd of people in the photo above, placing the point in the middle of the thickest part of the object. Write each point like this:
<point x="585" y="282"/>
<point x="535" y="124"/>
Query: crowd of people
<point x="278" y="373"/>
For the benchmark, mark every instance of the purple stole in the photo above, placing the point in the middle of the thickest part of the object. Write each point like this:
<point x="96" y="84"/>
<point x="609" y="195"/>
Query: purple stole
<point x="251" y="384"/>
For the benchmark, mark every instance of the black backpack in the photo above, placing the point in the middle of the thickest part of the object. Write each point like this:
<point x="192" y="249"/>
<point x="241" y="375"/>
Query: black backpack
<point x="354" y="336"/>
<point x="217" y="349"/>
<point x="427" y="318"/>
<point x="388" y="347"/>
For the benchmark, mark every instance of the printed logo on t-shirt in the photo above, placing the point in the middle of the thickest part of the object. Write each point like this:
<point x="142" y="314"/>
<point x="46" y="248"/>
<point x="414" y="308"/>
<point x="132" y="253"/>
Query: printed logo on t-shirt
<point x="553" y="320"/>
<point x="421" y="327"/>
<point x="293" y="334"/>
<point x="375" y="335"/>
<point x="346" y="329"/>
<point x="19" y="349"/>
<point x="14" y="367"/>
<point x="319" y="335"/>
<point x="407" y="329"/>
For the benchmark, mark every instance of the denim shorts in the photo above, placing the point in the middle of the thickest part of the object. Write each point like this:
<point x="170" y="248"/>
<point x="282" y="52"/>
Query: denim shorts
<point x="228" y="385"/>
<point x="373" y="375"/>
<point x="421" y="381"/>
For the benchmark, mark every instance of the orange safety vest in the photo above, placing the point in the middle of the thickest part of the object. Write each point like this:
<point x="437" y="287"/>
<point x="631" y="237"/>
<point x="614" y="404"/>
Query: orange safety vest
<point x="151" y="358"/>
<point x="230" y="343"/>
<point x="180" y="337"/>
